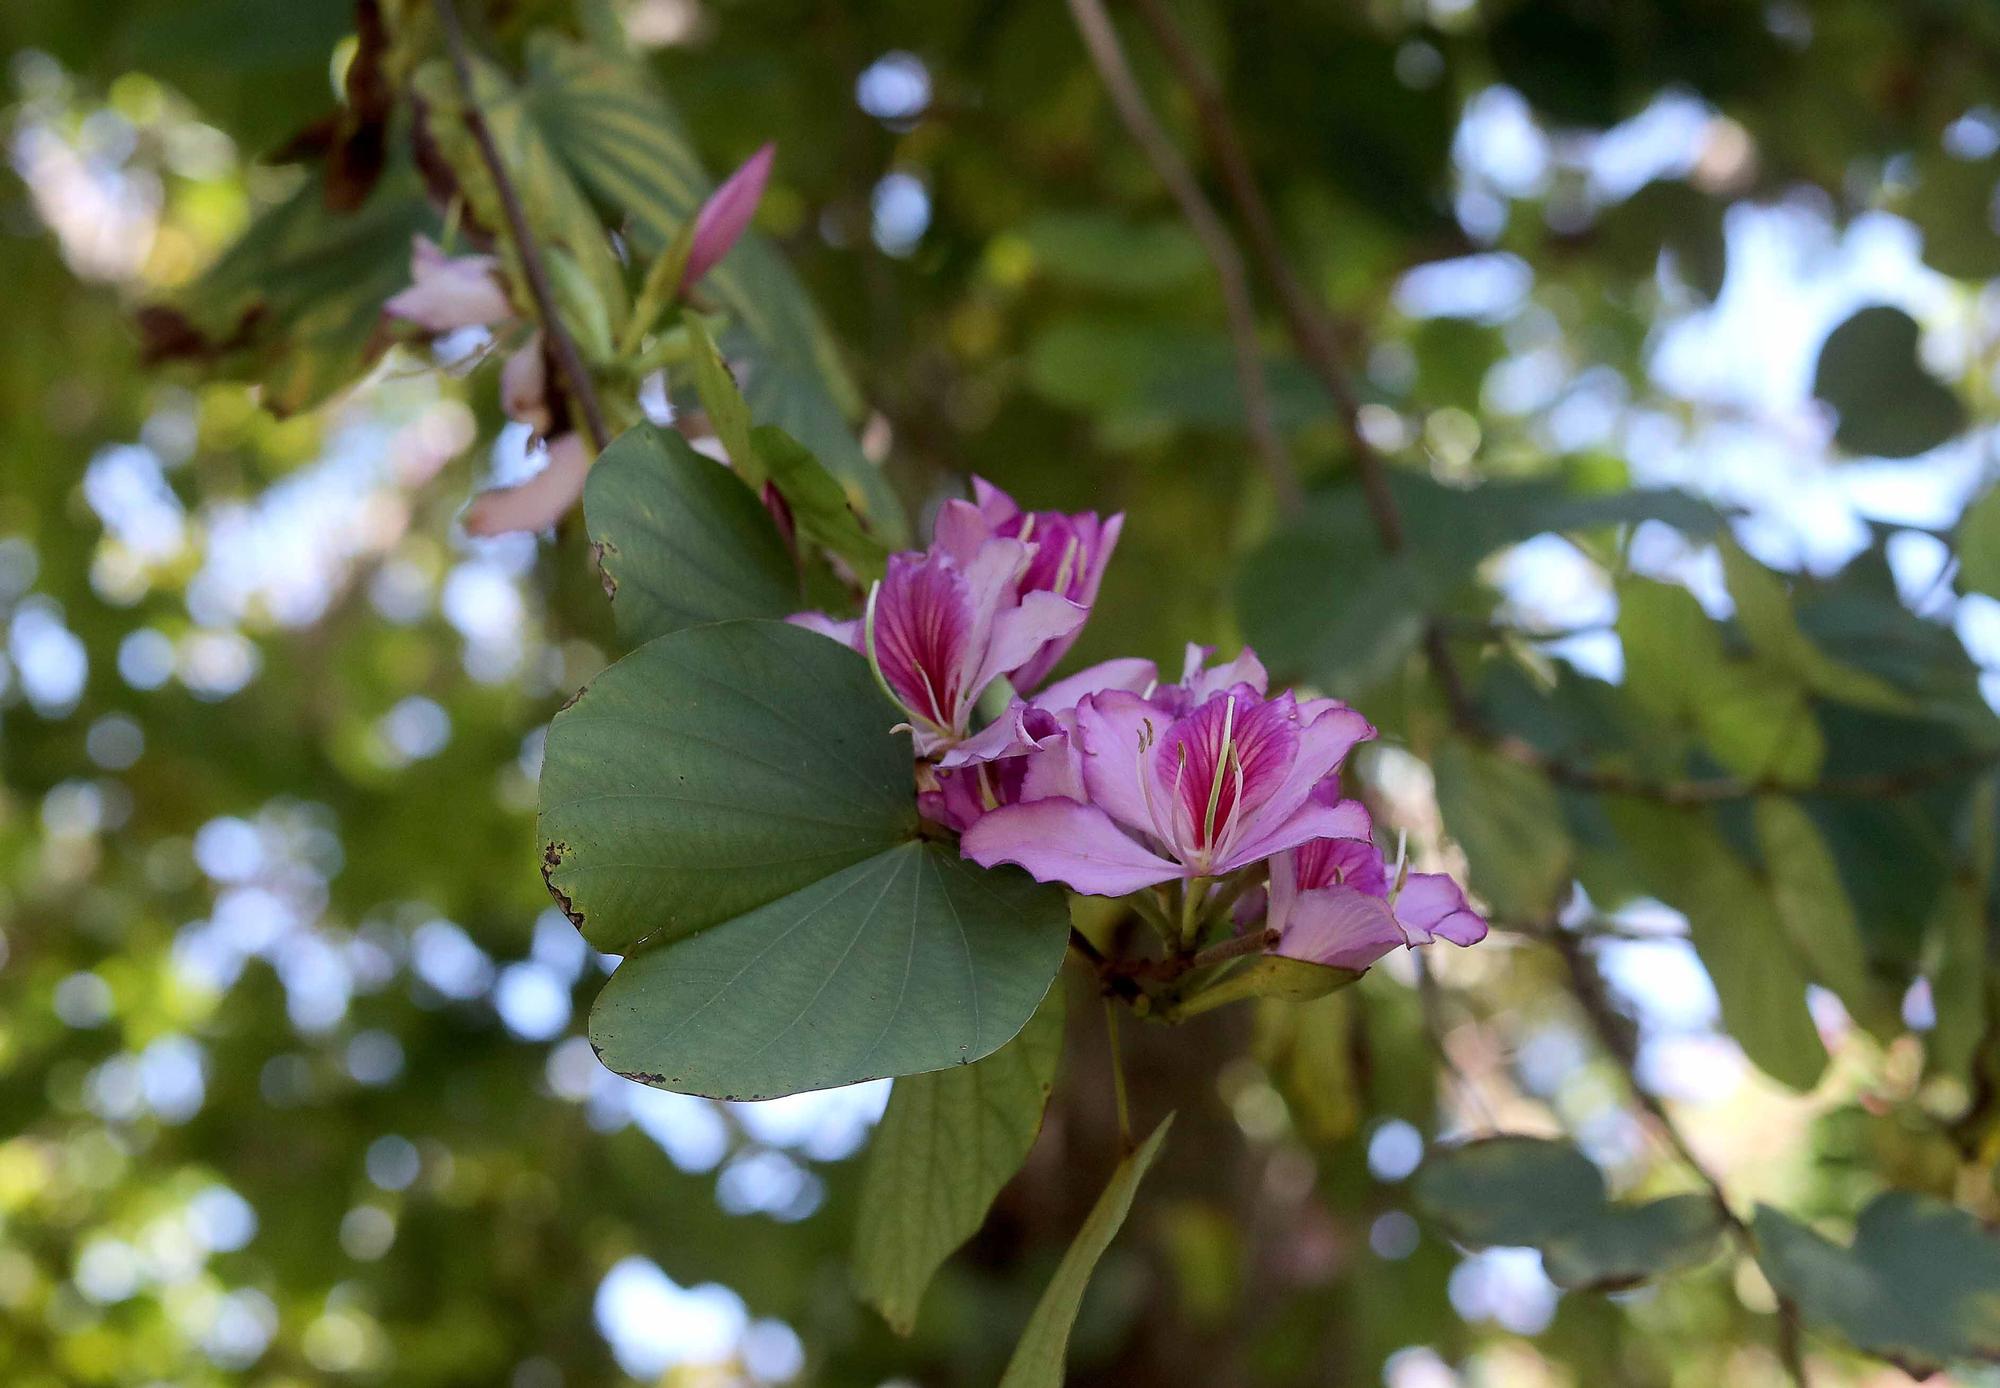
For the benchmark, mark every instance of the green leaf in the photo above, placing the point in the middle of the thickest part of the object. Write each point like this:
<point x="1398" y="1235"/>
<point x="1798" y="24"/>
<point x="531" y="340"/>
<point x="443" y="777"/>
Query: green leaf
<point x="1734" y="926"/>
<point x="712" y="771"/>
<point x="1959" y="959"/>
<point x="1919" y="1286"/>
<point x="610" y="123"/>
<point x="1764" y="612"/>
<point x="944" y="1148"/>
<point x="1978" y="545"/>
<point x="1508" y="1191"/>
<point x="680" y="541"/>
<point x="1516" y="1191"/>
<point x="1889" y="406"/>
<point x="1752" y="716"/>
<point x="1624" y="1245"/>
<point x="1817" y="915"/>
<point x="1321" y="599"/>
<point x="728" y="412"/>
<point x="1039" y="1357"/>
<point x="909" y="961"/>
<point x="819" y="506"/>
<point x="728" y="805"/>
<point x="1507" y="819"/>
<point x="590" y="287"/>
<point x="296" y="303"/>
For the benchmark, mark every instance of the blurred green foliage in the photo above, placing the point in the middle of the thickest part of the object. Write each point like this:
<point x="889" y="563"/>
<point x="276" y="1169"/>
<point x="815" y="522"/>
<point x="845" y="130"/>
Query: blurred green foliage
<point x="291" y="1051"/>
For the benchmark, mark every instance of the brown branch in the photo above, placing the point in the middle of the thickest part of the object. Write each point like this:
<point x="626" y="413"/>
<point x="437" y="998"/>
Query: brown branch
<point x="1616" y="1034"/>
<point x="1100" y="39"/>
<point x="568" y="360"/>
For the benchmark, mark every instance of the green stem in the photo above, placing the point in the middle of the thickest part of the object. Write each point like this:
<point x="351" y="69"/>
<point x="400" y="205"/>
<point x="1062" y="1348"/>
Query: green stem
<point x="1194" y="894"/>
<point x="1118" y="1093"/>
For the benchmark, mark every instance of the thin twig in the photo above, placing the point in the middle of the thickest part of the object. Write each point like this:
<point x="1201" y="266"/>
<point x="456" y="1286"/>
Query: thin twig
<point x="1108" y="57"/>
<point x="1306" y="321"/>
<point x="1615" y="1034"/>
<point x="568" y="360"/>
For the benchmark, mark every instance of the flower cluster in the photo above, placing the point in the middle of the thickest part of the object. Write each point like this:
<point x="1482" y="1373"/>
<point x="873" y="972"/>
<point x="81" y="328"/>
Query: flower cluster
<point x="1111" y="782"/>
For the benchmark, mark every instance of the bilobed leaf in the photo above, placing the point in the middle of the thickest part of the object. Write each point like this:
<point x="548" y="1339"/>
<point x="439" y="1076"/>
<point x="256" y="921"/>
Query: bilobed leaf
<point x="1044" y="1345"/>
<point x="680" y="540"/>
<point x="1920" y="1284"/>
<point x="1507" y="819"/>
<point x="712" y="771"/>
<point x="610" y="123"/>
<point x="727" y="805"/>
<point x="1509" y="1190"/>
<point x="1889" y="405"/>
<point x="909" y="961"/>
<point x="1515" y="1191"/>
<point x="1816" y="913"/>
<point x="1734" y="927"/>
<point x="946" y="1145"/>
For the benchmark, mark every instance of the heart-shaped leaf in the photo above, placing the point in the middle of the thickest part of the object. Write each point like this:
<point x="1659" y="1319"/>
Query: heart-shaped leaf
<point x="728" y="803"/>
<point x="715" y="770"/>
<point x="680" y="540"/>
<point x="1889" y="406"/>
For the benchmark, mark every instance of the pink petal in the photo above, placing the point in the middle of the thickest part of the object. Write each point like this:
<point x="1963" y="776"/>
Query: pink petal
<point x="924" y="636"/>
<point x="724" y="217"/>
<point x="1119" y="736"/>
<point x="847" y="634"/>
<point x="1340" y="926"/>
<point x="1329" y="730"/>
<point x="450" y="292"/>
<point x="1204" y="685"/>
<point x="524" y="386"/>
<point x="1135" y="674"/>
<point x="1354" y="862"/>
<point x="1231" y="754"/>
<point x="1313" y="820"/>
<point x="1019" y="632"/>
<point x="1062" y="841"/>
<point x="1432" y="906"/>
<point x="995" y="505"/>
<point x="960" y="530"/>
<point x="537" y="503"/>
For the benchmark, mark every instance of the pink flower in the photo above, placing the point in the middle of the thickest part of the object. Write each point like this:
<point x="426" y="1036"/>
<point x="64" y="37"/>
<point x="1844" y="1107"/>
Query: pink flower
<point x="539" y="502"/>
<point x="1331" y="902"/>
<point x="723" y="219"/>
<point x="1025" y="753"/>
<point x="1071" y="551"/>
<point x="943" y="625"/>
<point x="1203" y="793"/>
<point x="450" y="292"/>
